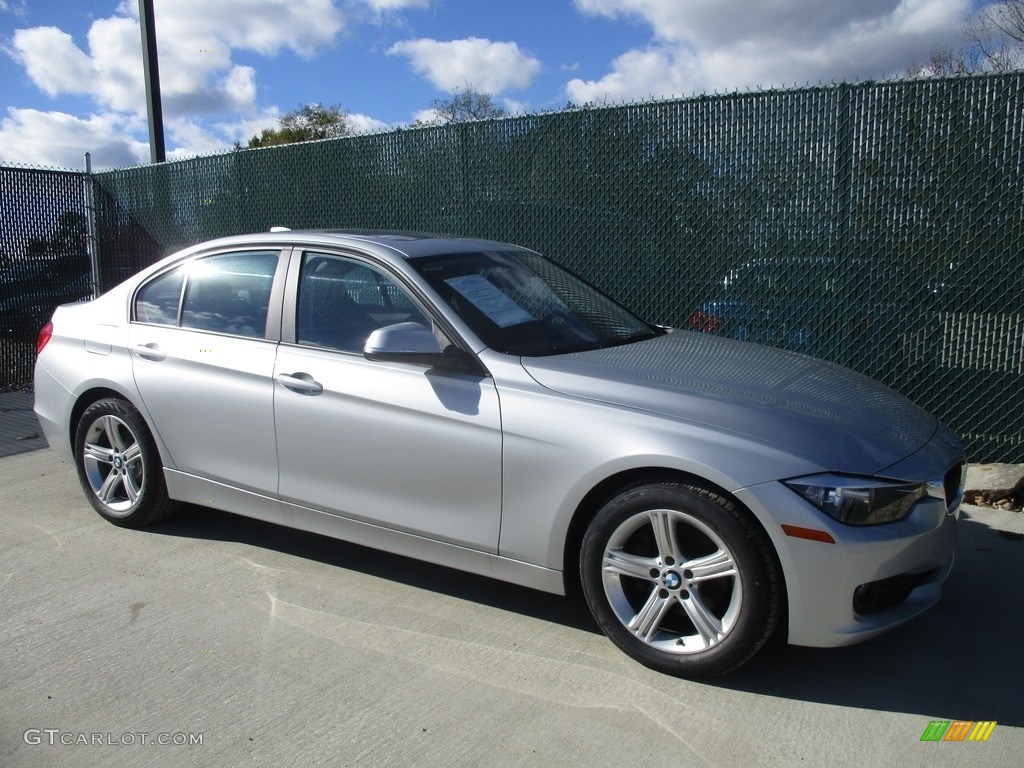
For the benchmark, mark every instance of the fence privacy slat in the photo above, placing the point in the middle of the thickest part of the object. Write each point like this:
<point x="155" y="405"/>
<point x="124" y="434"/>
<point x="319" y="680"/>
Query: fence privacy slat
<point x="878" y="225"/>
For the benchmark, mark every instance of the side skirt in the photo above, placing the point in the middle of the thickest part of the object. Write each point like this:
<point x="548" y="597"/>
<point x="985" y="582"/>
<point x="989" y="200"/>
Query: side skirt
<point x="196" y="490"/>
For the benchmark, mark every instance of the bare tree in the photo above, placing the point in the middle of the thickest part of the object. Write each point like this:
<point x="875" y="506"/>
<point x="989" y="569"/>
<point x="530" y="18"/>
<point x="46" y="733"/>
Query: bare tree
<point x="943" y="62"/>
<point x="464" y="105"/>
<point x="992" y="41"/>
<point x="995" y="36"/>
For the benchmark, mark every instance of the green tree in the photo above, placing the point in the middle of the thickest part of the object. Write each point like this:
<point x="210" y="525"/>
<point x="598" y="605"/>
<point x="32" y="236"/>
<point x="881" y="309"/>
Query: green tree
<point x="307" y="123"/>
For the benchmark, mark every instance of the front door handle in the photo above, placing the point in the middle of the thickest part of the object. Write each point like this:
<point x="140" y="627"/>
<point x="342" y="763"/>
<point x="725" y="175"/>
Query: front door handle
<point x="300" y="382"/>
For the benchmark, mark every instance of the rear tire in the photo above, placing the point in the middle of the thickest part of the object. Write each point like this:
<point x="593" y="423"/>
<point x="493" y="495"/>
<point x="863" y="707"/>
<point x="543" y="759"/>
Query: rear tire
<point x="119" y="466"/>
<point x="680" y="579"/>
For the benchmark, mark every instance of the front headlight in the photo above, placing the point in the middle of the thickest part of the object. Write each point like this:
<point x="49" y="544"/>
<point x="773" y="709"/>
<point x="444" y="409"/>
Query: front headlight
<point x="859" y="500"/>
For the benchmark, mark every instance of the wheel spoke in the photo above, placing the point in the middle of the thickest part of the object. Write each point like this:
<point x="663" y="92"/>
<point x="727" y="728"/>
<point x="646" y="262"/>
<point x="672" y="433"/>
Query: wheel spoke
<point x="98" y="453"/>
<point x="110" y="485"/>
<point x="132" y="454"/>
<point x="113" y="433"/>
<point x="645" y="624"/>
<point x="664" y="525"/>
<point x="708" y="626"/>
<point x="132" y="487"/>
<point x="714" y="566"/>
<point x="627" y="564"/>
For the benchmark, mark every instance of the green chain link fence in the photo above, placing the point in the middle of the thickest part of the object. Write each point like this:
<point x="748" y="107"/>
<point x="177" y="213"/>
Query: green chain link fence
<point x="44" y="259"/>
<point x="878" y="225"/>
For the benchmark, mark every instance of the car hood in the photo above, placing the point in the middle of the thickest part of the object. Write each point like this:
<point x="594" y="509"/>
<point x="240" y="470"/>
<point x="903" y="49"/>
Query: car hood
<point x="839" y="419"/>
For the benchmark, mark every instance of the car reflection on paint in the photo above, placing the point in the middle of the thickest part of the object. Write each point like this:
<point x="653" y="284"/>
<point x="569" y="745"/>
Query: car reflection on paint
<point x="814" y="305"/>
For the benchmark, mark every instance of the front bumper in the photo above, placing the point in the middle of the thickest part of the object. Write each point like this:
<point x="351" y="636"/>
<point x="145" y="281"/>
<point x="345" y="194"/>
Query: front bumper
<point x="868" y="579"/>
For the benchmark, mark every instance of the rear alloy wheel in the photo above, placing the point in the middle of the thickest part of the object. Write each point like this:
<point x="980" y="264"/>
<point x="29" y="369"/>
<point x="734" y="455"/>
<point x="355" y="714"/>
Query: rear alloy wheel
<point x="119" y="466"/>
<point x="680" y="579"/>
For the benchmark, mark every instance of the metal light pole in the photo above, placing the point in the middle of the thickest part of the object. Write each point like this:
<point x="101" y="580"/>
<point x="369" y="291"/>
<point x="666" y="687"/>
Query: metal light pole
<point x="152" y="73"/>
<point x="94" y="240"/>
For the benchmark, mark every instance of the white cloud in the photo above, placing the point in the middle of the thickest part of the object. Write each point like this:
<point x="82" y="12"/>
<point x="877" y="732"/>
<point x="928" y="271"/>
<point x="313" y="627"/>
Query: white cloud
<point x="384" y="6"/>
<point x="487" y="66"/>
<point x="242" y="130"/>
<point x="718" y="22"/>
<point x="263" y="26"/>
<point x="53" y="61"/>
<point x="515" y="107"/>
<point x="234" y="92"/>
<point x="655" y="72"/>
<point x="428" y="117"/>
<point x="367" y="124"/>
<point x="56" y="139"/>
<point x="197" y="41"/>
<point x="192" y="138"/>
<point x="704" y="45"/>
<point x="199" y="77"/>
<point x="927" y="16"/>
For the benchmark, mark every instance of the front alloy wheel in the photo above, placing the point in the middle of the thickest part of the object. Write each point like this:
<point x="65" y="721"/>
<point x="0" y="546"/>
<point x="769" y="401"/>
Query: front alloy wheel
<point x="680" y="579"/>
<point x="119" y="466"/>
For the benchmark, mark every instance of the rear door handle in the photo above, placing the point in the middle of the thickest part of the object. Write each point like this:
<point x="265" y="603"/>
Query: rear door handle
<point x="300" y="382"/>
<point x="150" y="352"/>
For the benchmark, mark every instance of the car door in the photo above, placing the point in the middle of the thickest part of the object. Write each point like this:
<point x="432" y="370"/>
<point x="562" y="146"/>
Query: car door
<point x="406" y="446"/>
<point x="203" y="365"/>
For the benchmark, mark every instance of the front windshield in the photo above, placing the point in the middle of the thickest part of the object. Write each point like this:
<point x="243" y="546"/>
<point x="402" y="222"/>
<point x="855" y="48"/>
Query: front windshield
<point x="522" y="304"/>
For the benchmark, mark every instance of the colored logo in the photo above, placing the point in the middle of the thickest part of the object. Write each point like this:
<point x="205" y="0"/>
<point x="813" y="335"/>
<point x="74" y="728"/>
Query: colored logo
<point x="958" y="730"/>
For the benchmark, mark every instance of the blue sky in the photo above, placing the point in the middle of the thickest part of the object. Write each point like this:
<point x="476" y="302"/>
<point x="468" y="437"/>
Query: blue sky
<point x="72" y="74"/>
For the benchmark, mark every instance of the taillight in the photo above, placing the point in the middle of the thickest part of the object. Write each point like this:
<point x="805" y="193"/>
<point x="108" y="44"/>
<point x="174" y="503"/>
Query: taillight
<point x="704" y="322"/>
<point x="45" y="334"/>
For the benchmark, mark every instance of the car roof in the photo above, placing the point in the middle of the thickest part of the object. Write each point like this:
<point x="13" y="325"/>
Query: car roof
<point x="410" y="245"/>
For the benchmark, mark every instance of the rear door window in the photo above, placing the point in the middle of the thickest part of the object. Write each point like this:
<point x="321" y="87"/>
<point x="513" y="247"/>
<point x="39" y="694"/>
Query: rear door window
<point x="228" y="293"/>
<point x="158" y="300"/>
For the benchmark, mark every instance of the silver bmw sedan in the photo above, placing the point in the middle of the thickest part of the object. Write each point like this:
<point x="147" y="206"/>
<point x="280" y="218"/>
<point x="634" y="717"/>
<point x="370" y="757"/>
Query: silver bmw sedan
<point x="472" y="404"/>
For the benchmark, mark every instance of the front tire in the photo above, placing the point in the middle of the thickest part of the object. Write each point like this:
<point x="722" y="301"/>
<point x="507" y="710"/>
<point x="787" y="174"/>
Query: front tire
<point x="680" y="579"/>
<point x="119" y="466"/>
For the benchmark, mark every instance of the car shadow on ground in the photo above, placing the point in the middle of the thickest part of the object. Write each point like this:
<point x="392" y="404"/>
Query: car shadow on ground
<point x="962" y="660"/>
<point x="205" y="523"/>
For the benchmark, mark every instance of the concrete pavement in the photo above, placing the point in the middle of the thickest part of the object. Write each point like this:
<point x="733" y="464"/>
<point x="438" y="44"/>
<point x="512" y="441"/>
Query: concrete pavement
<point x="19" y="429"/>
<point x="240" y="643"/>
